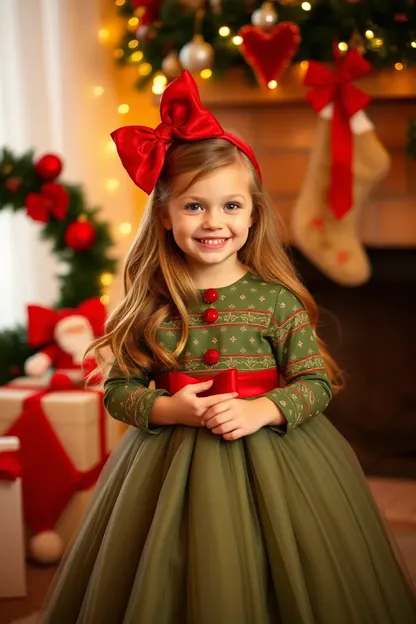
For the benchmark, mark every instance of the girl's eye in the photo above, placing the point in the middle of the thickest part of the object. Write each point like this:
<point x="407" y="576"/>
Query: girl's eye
<point x="193" y="207"/>
<point x="232" y="206"/>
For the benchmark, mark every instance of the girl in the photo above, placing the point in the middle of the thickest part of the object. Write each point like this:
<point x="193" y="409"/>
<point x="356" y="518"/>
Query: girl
<point x="231" y="499"/>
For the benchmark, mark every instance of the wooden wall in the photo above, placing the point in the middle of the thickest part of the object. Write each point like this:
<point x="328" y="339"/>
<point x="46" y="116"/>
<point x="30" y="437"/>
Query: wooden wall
<point x="281" y="128"/>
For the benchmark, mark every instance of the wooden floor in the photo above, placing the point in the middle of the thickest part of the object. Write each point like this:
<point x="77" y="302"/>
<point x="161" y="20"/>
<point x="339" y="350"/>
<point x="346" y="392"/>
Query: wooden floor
<point x="396" y="499"/>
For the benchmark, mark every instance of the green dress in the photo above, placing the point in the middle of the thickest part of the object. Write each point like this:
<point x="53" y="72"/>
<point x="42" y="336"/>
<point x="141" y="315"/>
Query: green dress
<point x="279" y="526"/>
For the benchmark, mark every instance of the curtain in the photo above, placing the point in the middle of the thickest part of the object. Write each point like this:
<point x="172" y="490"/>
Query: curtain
<point x="51" y="60"/>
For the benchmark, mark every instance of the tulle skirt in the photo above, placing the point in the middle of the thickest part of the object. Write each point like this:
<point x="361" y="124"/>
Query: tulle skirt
<point x="186" y="528"/>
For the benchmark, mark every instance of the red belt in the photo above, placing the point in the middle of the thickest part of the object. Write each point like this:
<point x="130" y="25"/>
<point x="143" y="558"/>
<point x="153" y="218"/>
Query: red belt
<point x="251" y="384"/>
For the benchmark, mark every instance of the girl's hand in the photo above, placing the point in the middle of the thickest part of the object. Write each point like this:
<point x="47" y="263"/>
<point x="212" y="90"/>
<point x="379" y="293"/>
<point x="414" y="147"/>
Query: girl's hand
<point x="236" y="418"/>
<point x="188" y="408"/>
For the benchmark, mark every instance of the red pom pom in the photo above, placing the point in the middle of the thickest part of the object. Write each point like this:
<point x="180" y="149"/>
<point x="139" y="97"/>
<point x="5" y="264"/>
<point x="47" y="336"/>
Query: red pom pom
<point x="210" y="315"/>
<point x="48" y="167"/>
<point x="13" y="184"/>
<point x="211" y="357"/>
<point x="80" y="236"/>
<point x="210" y="295"/>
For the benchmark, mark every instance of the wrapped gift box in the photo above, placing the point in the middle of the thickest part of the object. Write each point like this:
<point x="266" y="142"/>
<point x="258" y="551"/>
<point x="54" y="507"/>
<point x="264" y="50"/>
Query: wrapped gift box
<point x="74" y="416"/>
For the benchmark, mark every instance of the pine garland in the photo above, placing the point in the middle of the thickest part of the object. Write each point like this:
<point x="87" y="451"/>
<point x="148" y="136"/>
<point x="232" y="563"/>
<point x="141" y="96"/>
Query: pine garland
<point x="84" y="269"/>
<point x="391" y="22"/>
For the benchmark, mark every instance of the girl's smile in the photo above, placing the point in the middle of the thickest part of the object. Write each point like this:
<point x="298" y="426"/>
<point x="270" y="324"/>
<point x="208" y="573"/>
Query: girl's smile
<point x="211" y="219"/>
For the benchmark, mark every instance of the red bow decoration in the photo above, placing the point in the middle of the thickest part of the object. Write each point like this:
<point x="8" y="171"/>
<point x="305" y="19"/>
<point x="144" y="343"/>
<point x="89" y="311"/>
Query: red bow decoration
<point x="51" y="201"/>
<point x="249" y="384"/>
<point x="336" y="87"/>
<point x="42" y="321"/>
<point x="142" y="150"/>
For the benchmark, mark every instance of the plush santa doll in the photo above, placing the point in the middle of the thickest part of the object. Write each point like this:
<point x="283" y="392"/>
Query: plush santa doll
<point x="64" y="336"/>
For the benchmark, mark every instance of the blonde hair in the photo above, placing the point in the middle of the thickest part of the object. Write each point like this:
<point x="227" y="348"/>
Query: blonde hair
<point x="157" y="283"/>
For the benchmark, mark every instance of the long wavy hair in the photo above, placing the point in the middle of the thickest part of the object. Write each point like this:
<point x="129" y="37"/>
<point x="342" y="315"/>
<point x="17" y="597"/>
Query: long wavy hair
<point x="157" y="283"/>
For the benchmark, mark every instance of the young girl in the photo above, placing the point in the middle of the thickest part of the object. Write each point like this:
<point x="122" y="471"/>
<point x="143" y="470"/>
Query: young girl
<point x="231" y="499"/>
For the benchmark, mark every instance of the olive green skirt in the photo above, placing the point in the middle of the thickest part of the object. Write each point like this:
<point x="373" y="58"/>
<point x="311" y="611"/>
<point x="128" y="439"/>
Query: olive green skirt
<point x="186" y="528"/>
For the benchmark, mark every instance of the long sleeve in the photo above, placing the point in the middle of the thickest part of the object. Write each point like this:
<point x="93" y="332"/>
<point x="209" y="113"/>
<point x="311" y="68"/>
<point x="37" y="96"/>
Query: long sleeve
<point x="308" y="389"/>
<point x="130" y="400"/>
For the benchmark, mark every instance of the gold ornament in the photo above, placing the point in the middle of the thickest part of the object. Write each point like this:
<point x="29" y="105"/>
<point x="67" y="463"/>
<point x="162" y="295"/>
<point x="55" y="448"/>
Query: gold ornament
<point x="197" y="55"/>
<point x="265" y="16"/>
<point x="171" y="66"/>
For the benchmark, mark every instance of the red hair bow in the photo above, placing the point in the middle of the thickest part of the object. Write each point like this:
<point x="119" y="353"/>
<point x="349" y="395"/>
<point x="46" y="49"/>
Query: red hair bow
<point x="42" y="321"/>
<point x="142" y="150"/>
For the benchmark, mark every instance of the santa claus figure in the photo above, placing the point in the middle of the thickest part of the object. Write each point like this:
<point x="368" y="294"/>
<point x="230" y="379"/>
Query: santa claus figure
<point x="64" y="336"/>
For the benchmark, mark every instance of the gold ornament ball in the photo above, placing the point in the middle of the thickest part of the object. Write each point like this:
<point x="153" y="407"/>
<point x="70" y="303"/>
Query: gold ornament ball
<point x="171" y="66"/>
<point x="265" y="16"/>
<point x="197" y="55"/>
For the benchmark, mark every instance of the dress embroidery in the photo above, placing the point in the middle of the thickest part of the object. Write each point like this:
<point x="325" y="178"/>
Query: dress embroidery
<point x="260" y="326"/>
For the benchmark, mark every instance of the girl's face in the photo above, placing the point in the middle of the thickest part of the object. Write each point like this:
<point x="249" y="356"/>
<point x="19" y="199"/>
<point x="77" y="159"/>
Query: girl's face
<point x="210" y="221"/>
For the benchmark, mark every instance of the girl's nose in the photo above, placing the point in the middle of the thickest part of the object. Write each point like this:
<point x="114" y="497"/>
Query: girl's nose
<point x="213" y="220"/>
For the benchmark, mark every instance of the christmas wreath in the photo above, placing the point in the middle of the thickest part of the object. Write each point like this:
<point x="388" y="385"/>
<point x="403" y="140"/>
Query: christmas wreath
<point x="81" y="241"/>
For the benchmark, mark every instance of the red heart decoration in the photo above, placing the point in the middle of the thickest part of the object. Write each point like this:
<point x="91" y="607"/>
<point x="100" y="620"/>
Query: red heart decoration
<point x="269" y="52"/>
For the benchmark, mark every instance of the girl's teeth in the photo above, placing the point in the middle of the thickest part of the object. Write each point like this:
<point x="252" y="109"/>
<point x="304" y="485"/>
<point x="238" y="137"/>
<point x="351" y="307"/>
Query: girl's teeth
<point x="217" y="241"/>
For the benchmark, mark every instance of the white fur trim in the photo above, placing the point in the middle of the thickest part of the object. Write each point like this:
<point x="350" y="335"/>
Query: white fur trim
<point x="359" y="122"/>
<point x="37" y="365"/>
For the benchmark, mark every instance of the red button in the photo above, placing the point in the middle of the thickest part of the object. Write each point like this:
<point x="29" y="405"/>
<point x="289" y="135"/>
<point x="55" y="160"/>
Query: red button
<point x="210" y="315"/>
<point x="210" y="295"/>
<point x="211" y="356"/>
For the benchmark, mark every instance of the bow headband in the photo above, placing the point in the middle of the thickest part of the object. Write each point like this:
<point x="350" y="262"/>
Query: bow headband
<point x="142" y="150"/>
<point x="42" y="321"/>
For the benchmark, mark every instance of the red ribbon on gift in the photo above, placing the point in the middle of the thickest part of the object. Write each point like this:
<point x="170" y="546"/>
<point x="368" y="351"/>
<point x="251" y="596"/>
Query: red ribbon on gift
<point x="250" y="384"/>
<point x="49" y="478"/>
<point x="336" y="87"/>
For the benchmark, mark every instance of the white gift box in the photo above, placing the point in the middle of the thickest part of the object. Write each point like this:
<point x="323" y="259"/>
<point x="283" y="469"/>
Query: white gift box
<point x="75" y="418"/>
<point x="12" y="551"/>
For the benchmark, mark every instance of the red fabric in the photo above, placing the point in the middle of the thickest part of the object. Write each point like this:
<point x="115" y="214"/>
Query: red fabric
<point x="42" y="321"/>
<point x="142" y="150"/>
<point x="49" y="478"/>
<point x="270" y="51"/>
<point x="336" y="87"/>
<point x="247" y="385"/>
<point x="10" y="468"/>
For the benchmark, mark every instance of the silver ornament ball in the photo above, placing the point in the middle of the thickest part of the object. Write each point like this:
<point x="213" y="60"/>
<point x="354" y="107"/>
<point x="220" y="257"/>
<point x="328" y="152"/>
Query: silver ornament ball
<point x="197" y="55"/>
<point x="265" y="16"/>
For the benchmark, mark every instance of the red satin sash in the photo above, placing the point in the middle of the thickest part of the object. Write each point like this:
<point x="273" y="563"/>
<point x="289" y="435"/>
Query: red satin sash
<point x="251" y="384"/>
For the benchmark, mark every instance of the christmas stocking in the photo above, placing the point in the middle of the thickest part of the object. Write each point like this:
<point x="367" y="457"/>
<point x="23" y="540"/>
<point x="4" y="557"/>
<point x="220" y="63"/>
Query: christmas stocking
<point x="332" y="244"/>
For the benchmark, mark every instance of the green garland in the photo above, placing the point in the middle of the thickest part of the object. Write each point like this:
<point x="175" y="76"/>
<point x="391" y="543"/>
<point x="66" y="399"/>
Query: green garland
<point x="82" y="279"/>
<point x="393" y="23"/>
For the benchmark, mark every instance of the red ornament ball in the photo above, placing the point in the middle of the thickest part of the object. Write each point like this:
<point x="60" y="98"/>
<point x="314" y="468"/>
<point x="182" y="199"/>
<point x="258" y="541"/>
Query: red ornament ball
<point x="210" y="315"/>
<point x="80" y="236"/>
<point x="13" y="184"/>
<point x="48" y="167"/>
<point x="211" y="357"/>
<point x="210" y="295"/>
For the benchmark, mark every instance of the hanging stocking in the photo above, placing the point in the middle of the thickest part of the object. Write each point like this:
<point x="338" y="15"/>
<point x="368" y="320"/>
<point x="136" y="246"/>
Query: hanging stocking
<point x="330" y="243"/>
<point x="346" y="163"/>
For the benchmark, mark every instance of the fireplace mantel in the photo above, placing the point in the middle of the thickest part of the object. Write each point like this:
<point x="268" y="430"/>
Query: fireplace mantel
<point x="280" y="126"/>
